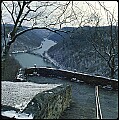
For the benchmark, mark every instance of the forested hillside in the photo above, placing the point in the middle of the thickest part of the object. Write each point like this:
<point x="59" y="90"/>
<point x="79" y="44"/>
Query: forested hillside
<point x="61" y="35"/>
<point x="26" y="41"/>
<point x="86" y="50"/>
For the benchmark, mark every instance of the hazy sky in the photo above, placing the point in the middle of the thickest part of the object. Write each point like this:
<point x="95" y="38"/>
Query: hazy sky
<point x="112" y="6"/>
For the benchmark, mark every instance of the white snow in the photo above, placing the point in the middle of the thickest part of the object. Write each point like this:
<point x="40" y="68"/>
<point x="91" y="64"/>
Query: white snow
<point x="109" y="87"/>
<point x="32" y="103"/>
<point x="73" y="79"/>
<point x="19" y="94"/>
<point x="16" y="115"/>
<point x="49" y="92"/>
<point x="22" y="105"/>
<point x="80" y="81"/>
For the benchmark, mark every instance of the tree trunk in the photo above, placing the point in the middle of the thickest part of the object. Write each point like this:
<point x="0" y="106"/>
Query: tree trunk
<point x="112" y="73"/>
<point x="5" y="52"/>
<point x="112" y="68"/>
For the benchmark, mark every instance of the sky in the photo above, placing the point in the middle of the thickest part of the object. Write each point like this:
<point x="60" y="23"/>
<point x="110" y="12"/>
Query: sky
<point x="80" y="8"/>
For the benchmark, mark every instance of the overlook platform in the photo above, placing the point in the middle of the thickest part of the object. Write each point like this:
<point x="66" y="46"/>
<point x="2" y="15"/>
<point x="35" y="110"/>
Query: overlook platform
<point x="83" y="104"/>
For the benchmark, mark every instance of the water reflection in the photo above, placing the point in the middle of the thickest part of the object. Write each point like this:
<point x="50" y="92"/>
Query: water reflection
<point x="28" y="60"/>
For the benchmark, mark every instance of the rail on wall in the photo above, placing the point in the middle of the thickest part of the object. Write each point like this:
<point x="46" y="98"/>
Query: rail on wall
<point x="73" y="76"/>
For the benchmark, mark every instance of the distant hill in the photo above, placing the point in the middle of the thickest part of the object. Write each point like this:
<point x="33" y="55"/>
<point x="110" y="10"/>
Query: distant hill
<point x="76" y="52"/>
<point x="44" y="33"/>
<point x="61" y="35"/>
<point x="27" y="40"/>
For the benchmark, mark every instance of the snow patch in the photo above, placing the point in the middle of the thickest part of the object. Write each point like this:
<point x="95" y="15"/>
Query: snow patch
<point x="109" y="87"/>
<point x="14" y="114"/>
<point x="22" y="105"/>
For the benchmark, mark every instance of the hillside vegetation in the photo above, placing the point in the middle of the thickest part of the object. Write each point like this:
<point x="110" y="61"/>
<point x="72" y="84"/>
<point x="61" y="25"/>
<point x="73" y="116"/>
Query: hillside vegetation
<point x="9" y="68"/>
<point x="76" y="52"/>
<point x="26" y="41"/>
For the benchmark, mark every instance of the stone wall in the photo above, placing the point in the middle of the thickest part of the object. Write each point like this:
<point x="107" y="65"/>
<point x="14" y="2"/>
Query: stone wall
<point x="90" y="79"/>
<point x="50" y="104"/>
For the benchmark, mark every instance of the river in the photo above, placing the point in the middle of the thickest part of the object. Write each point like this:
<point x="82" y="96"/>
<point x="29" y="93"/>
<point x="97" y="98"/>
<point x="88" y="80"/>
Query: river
<point x="83" y="95"/>
<point x="28" y="60"/>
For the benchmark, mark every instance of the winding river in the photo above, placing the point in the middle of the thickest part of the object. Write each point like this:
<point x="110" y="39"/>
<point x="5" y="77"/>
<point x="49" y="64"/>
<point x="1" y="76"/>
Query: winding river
<point x="83" y="96"/>
<point x="28" y="60"/>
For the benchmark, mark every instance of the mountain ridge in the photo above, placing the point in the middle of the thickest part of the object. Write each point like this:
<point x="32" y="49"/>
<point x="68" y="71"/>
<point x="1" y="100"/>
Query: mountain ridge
<point x="76" y="51"/>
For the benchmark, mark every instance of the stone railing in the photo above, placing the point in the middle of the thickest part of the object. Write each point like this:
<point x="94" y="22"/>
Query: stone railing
<point x="50" y="104"/>
<point x="73" y="76"/>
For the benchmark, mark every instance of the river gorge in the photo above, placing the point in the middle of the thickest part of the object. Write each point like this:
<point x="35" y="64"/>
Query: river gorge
<point x="28" y="60"/>
<point x="83" y="95"/>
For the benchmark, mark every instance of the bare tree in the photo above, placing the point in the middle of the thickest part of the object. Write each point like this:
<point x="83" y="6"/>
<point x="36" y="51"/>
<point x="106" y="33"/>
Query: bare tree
<point x="105" y="41"/>
<point x="3" y="35"/>
<point x="41" y="15"/>
<point x="26" y="11"/>
<point x="47" y="14"/>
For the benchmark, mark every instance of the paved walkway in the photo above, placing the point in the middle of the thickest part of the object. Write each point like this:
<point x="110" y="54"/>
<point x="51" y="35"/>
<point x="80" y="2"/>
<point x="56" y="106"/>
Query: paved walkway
<point x="83" y="100"/>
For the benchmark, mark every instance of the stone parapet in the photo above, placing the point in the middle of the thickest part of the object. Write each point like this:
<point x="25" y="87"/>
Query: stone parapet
<point x="90" y="79"/>
<point x="50" y="104"/>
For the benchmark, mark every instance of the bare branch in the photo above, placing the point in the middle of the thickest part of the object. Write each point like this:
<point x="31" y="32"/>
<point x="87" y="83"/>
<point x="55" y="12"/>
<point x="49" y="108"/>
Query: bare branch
<point x="17" y="20"/>
<point x="21" y="32"/>
<point x="10" y="12"/>
<point x="98" y="51"/>
<point x="66" y="6"/>
<point x="108" y="11"/>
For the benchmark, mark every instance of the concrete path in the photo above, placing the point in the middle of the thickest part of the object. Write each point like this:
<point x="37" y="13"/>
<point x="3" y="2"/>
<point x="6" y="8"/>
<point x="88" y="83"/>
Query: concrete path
<point x="83" y="100"/>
